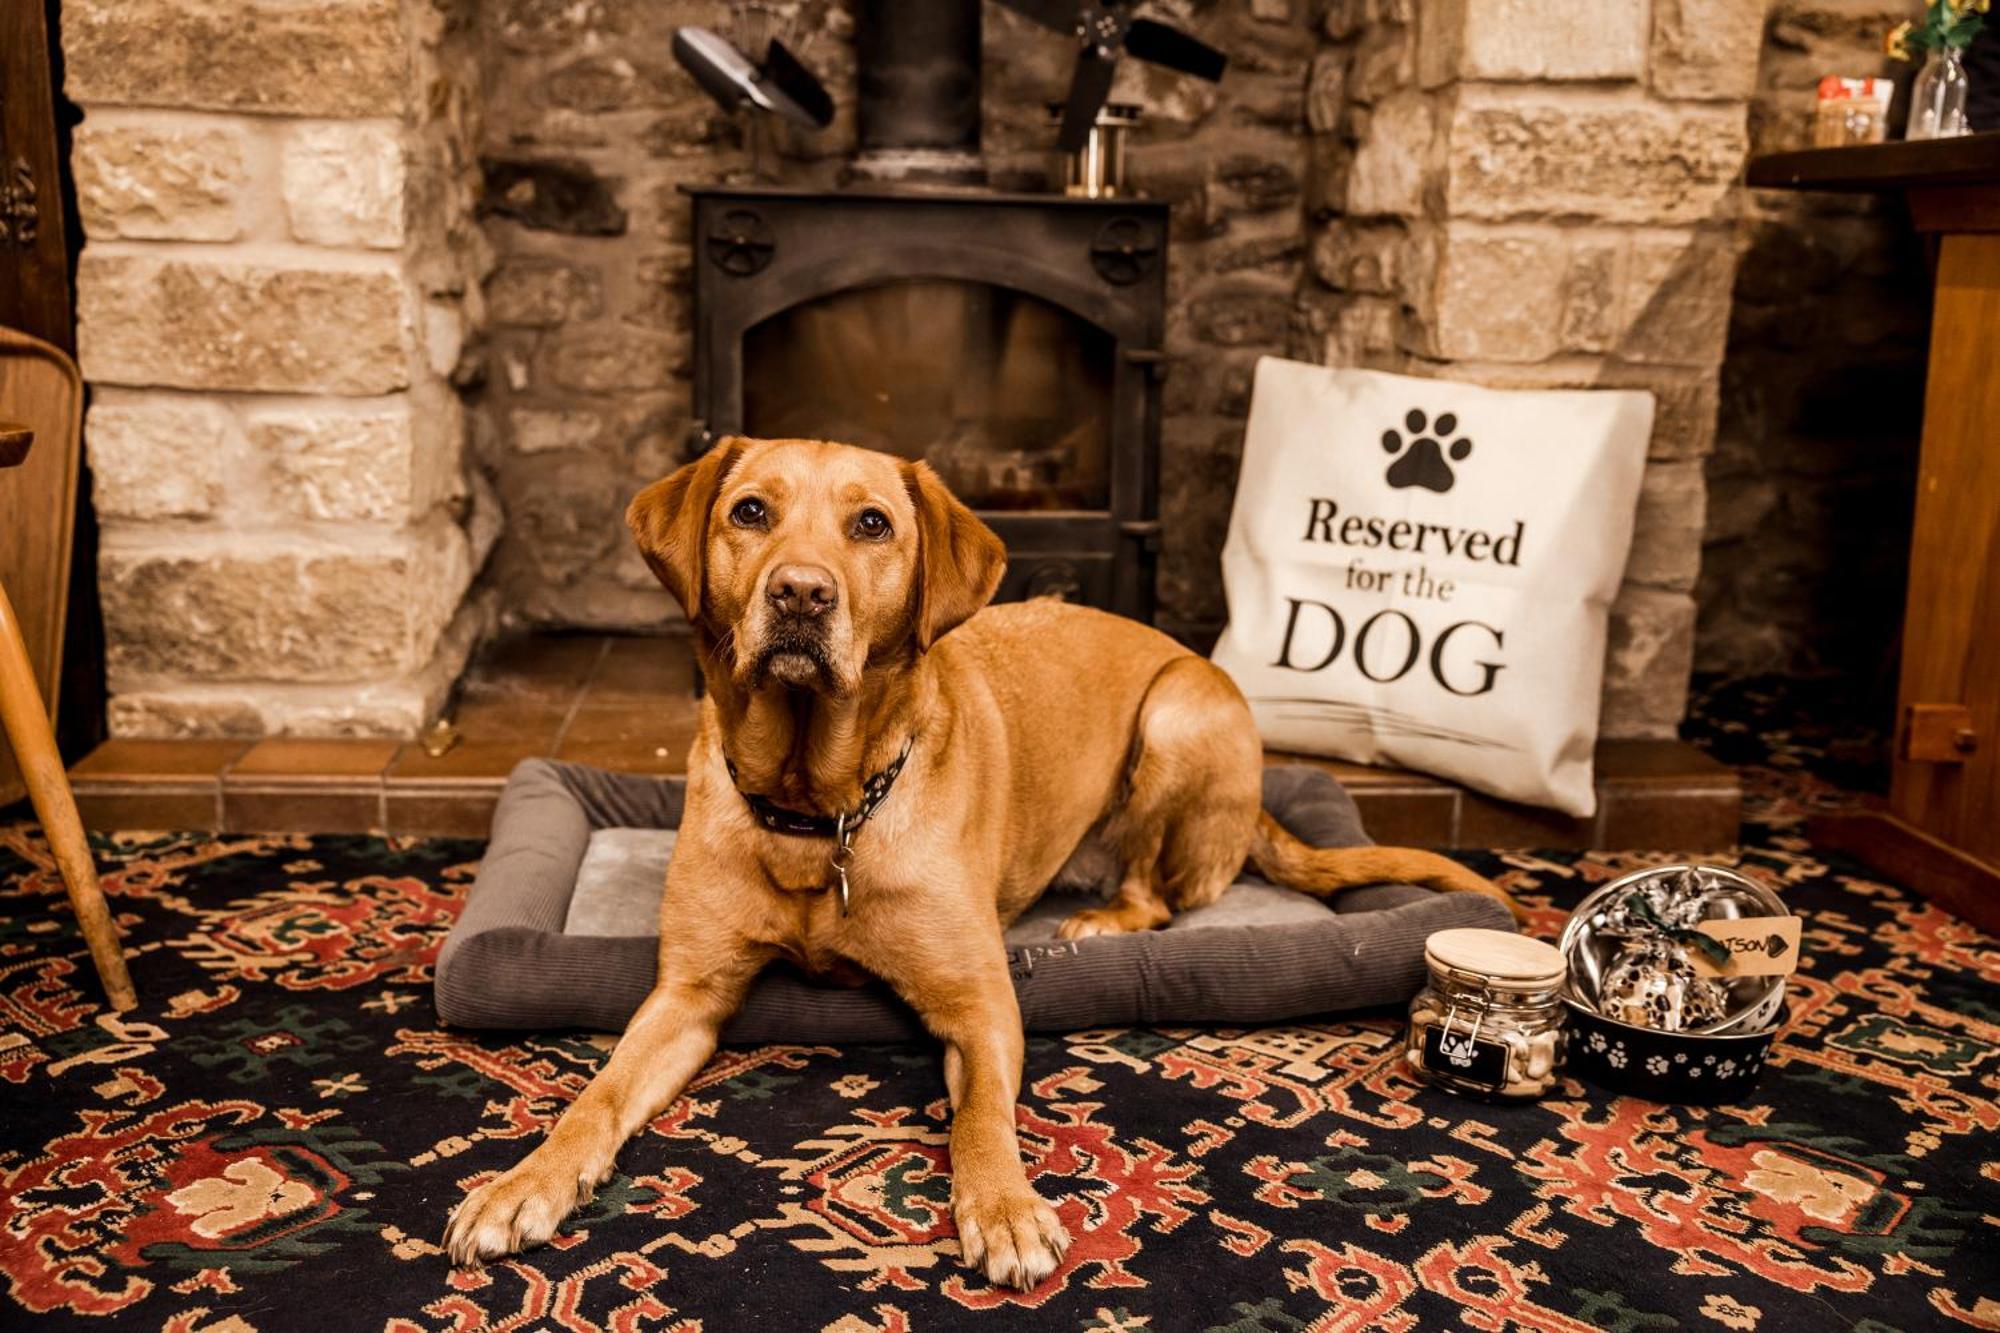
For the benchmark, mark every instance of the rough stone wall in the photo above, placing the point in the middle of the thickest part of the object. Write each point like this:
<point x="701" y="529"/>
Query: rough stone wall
<point x="584" y="396"/>
<point x="591" y="131"/>
<point x="276" y="282"/>
<point x="1811" y="483"/>
<point x="1539" y="193"/>
<point x="282" y="288"/>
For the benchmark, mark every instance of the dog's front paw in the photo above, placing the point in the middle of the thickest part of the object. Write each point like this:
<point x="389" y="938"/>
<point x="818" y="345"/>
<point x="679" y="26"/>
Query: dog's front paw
<point x="510" y="1213"/>
<point x="1014" y="1238"/>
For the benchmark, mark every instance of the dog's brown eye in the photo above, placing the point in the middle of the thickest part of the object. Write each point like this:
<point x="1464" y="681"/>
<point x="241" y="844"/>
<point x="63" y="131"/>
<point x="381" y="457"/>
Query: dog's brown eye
<point x="749" y="514"/>
<point x="872" y="525"/>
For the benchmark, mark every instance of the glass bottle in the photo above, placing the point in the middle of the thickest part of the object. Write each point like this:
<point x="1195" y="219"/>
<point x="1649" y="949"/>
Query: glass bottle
<point x="1937" y="101"/>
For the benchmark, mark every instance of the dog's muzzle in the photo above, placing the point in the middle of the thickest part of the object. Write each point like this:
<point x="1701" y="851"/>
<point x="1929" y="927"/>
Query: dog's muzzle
<point x="794" y="652"/>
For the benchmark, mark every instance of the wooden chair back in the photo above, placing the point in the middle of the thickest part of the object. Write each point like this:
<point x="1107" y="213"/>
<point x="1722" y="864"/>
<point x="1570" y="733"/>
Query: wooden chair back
<point x="41" y="391"/>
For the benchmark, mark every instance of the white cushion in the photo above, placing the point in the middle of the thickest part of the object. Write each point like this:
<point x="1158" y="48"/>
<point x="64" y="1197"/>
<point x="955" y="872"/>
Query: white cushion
<point x="1419" y="572"/>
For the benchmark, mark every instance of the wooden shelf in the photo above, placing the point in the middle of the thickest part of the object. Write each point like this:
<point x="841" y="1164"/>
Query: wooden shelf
<point x="1970" y="159"/>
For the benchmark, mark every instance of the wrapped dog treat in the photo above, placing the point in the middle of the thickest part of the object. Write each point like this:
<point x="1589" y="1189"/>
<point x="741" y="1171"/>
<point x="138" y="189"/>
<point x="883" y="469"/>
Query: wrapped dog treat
<point x="1654" y="985"/>
<point x="1490" y="1020"/>
<point x="1652" y="980"/>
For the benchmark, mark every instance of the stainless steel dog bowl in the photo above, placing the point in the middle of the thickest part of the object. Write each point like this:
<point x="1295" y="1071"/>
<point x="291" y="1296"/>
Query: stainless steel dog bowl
<point x="1589" y="952"/>
<point x="1714" y="1063"/>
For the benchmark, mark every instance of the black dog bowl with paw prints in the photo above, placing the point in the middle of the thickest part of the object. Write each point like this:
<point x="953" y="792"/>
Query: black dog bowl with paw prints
<point x="1684" y="1068"/>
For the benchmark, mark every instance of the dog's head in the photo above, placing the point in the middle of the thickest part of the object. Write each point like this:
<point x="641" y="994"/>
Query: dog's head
<point x="805" y="561"/>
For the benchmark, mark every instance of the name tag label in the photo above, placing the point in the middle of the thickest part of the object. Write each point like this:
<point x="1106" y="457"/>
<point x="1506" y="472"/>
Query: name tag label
<point x="1759" y="946"/>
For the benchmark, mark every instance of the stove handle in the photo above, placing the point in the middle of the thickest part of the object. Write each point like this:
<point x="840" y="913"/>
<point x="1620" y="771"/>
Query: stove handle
<point x="1152" y="360"/>
<point x="1145" y="531"/>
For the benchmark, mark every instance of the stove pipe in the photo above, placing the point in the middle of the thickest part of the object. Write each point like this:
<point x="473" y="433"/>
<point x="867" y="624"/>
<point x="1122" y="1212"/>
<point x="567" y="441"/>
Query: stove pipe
<point x="918" y="98"/>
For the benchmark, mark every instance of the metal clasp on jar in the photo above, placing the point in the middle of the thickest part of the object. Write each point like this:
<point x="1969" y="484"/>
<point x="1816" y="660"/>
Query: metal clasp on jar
<point x="1460" y="1051"/>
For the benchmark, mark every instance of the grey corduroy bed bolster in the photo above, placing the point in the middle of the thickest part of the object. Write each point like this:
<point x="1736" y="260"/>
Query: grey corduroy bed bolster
<point x="507" y="963"/>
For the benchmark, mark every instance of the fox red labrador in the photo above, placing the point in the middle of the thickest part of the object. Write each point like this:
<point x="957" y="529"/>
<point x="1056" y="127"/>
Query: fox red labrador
<point x="885" y="776"/>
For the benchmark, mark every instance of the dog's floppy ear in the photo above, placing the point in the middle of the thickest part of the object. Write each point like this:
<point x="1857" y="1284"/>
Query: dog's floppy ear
<point x="669" y="520"/>
<point x="959" y="559"/>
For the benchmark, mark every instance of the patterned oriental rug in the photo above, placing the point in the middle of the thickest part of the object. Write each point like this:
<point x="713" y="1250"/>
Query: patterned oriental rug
<point x="273" y="1139"/>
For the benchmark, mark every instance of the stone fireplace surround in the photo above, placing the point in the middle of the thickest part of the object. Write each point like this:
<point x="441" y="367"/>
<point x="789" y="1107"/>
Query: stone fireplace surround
<point x="343" y="425"/>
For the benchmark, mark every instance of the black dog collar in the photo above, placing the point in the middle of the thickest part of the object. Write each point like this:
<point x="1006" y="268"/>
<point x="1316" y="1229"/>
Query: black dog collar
<point x="799" y="824"/>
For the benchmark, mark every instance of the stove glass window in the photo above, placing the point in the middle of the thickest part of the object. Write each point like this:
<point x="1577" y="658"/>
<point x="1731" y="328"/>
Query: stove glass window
<point x="1008" y="396"/>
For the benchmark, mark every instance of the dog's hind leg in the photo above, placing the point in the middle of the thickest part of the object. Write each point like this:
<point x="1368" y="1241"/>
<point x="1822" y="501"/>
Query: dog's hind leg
<point x="1137" y="905"/>
<point x="1193" y="793"/>
<point x="1218" y="770"/>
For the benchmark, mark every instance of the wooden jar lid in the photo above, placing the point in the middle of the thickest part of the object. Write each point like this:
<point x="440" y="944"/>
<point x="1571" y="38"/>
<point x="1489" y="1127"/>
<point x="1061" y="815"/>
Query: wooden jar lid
<point x="1500" y="956"/>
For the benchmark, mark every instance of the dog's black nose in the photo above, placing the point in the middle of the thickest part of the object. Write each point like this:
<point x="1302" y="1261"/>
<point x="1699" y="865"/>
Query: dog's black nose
<point x="805" y="590"/>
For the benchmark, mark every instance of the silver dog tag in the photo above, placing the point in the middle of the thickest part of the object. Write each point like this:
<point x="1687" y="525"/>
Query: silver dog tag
<point x="842" y="857"/>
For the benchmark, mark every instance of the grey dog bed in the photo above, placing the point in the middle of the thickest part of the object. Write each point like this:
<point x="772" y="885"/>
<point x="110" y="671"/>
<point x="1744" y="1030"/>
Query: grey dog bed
<point x="561" y="930"/>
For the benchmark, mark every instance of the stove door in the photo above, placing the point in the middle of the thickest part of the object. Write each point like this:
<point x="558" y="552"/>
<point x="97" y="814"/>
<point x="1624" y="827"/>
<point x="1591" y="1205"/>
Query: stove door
<point x="1008" y="396"/>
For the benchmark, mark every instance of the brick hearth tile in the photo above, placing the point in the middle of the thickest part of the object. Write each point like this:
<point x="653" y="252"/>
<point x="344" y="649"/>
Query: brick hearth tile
<point x="1666" y="795"/>
<point x="1673" y="763"/>
<point x="154" y="784"/>
<point x="297" y="807"/>
<point x="472" y="764"/>
<point x="293" y="759"/>
<point x="450" y="810"/>
<point x="453" y="795"/>
<point x="550" y="668"/>
<point x="669" y="723"/>
<point x="1684" y="821"/>
<point x="1408" y="816"/>
<point x="294" y="785"/>
<point x="642" y="671"/>
<point x="1486" y="822"/>
<point x="490" y="718"/>
<point x="654" y="755"/>
<point x="138" y="761"/>
<point x="193" y="809"/>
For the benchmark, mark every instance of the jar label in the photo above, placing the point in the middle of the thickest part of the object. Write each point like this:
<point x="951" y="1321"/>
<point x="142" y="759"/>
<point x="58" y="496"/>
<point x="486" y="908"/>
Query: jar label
<point x="1458" y="1052"/>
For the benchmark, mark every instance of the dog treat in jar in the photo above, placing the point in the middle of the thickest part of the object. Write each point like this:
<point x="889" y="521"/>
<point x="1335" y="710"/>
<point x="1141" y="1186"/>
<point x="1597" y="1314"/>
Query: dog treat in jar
<point x="1489" y="1022"/>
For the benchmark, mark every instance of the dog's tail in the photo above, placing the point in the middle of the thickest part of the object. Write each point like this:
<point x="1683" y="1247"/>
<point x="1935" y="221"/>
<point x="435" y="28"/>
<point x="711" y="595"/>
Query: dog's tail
<point x="1325" y="871"/>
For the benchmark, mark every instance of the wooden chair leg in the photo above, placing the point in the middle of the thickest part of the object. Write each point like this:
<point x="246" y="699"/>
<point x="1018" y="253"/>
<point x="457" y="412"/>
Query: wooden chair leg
<point x="26" y="720"/>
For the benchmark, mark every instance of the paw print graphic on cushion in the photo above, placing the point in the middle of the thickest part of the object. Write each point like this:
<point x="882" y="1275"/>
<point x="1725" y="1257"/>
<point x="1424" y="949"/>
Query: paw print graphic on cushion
<point x="1656" y="1065"/>
<point x="1421" y="458"/>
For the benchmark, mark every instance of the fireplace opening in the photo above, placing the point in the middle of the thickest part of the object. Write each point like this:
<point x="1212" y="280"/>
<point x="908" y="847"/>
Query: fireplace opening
<point x="1007" y="395"/>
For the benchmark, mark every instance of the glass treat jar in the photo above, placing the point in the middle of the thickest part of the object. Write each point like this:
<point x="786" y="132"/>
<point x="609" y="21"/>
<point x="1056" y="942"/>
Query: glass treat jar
<point x="1489" y="1022"/>
<point x="1937" y="100"/>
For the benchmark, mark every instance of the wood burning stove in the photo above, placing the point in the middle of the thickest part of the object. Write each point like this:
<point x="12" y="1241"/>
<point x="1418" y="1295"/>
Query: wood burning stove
<point x="1011" y="340"/>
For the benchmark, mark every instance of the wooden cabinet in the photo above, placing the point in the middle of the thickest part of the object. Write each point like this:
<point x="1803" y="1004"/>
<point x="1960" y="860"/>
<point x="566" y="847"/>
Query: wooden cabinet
<point x="1941" y="832"/>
